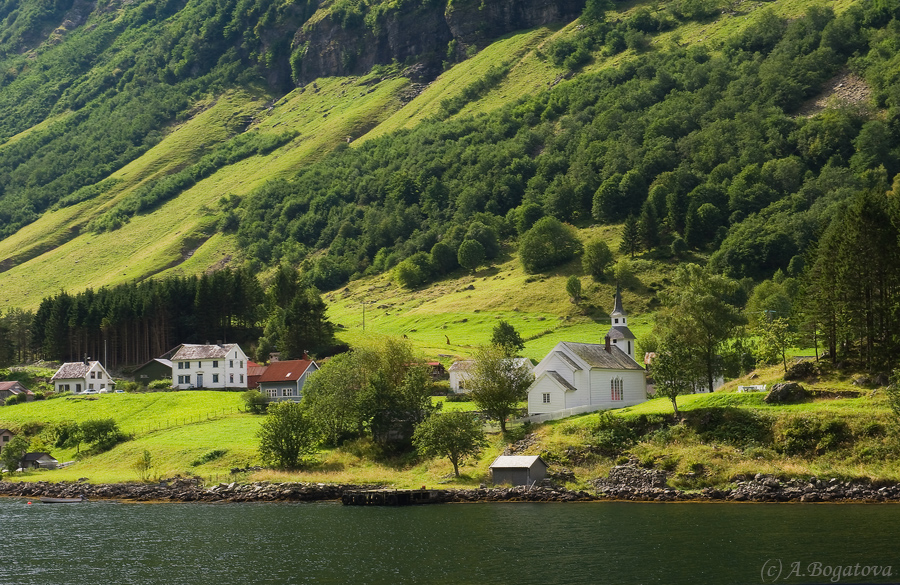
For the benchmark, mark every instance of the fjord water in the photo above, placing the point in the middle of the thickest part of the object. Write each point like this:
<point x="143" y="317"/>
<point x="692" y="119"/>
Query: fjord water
<point x="598" y="543"/>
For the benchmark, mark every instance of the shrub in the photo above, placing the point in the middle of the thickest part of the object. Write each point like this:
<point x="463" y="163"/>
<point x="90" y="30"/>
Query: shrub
<point x="254" y="401"/>
<point x="160" y="385"/>
<point x="458" y="398"/>
<point x="803" y="435"/>
<point x="612" y="435"/>
<point x="207" y="457"/>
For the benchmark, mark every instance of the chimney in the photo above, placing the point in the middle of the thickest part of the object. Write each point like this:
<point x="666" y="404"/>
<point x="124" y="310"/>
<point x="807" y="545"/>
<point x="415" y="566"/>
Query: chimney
<point x="608" y="348"/>
<point x="306" y="354"/>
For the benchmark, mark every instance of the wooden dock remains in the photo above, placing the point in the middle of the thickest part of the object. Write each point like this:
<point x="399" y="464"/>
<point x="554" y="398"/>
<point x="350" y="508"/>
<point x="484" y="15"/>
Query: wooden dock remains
<point x="391" y="497"/>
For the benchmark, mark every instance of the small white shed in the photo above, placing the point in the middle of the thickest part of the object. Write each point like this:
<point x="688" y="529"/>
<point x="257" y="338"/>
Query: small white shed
<point x="518" y="469"/>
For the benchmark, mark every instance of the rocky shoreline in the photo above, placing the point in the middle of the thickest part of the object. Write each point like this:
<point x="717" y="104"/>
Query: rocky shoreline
<point x="625" y="482"/>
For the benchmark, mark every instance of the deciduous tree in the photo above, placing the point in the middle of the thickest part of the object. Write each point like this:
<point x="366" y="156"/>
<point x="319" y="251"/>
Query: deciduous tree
<point x="287" y="436"/>
<point x="498" y="384"/>
<point x="455" y="435"/>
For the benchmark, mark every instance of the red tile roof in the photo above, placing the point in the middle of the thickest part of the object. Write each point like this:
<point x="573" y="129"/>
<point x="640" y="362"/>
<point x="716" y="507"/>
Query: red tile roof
<point x="287" y="370"/>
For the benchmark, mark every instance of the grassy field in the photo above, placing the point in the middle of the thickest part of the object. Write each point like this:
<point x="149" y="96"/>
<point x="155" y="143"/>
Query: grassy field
<point x="722" y="437"/>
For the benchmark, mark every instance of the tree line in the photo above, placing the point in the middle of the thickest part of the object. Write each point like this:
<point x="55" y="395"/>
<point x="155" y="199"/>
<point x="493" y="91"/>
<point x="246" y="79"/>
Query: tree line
<point x="130" y="324"/>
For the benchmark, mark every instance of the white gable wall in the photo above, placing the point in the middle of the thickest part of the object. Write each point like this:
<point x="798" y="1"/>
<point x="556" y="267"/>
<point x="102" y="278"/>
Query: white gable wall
<point x="545" y="385"/>
<point x="634" y="387"/>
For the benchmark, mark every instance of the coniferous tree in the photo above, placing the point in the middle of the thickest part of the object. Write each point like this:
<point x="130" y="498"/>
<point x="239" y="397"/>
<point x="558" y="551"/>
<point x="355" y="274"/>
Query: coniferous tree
<point x="648" y="226"/>
<point x="631" y="237"/>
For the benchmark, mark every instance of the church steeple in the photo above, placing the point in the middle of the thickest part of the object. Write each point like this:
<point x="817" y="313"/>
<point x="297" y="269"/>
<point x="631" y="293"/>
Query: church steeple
<point x="619" y="333"/>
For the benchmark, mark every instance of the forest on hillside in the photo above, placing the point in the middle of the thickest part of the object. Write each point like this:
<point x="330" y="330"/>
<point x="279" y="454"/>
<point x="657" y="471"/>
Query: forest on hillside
<point x="704" y="148"/>
<point x="706" y="142"/>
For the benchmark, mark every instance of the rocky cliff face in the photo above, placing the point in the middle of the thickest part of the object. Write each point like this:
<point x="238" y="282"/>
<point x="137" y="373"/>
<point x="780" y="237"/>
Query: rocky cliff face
<point x="422" y="34"/>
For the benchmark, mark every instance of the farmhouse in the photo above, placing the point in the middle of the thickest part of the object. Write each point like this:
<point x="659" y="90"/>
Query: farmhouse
<point x="285" y="380"/>
<point x="209" y="366"/>
<point x="589" y="376"/>
<point x="79" y="377"/>
<point x="461" y="373"/>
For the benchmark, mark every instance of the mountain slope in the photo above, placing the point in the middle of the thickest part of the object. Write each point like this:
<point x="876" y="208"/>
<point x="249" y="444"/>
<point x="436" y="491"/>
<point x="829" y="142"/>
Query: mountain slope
<point x="192" y="95"/>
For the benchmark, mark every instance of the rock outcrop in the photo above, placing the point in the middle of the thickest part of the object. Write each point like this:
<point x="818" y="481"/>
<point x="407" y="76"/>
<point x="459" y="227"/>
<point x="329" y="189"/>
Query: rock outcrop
<point x="423" y="33"/>
<point x="785" y="393"/>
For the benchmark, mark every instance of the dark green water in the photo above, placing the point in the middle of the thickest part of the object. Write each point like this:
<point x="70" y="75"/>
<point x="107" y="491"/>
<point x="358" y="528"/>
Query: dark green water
<point x="595" y="543"/>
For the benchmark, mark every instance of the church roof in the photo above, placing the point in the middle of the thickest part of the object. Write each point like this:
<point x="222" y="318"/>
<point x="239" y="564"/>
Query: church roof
<point x="571" y="363"/>
<point x="620" y="332"/>
<point x="561" y="381"/>
<point x="617" y="308"/>
<point x="596" y="356"/>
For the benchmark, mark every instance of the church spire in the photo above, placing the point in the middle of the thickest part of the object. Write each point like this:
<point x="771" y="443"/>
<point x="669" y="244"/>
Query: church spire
<point x="619" y="333"/>
<point x="617" y="308"/>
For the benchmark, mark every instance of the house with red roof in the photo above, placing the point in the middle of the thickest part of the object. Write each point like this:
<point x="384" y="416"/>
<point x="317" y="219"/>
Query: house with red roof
<point x="285" y="380"/>
<point x="14" y="388"/>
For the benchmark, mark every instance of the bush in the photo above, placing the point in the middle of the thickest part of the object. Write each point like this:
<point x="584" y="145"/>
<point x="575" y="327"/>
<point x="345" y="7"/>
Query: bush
<point x="254" y="401"/>
<point x="802" y="435"/>
<point x="14" y="399"/>
<point x="461" y="397"/>
<point x="207" y="457"/>
<point x="160" y="385"/>
<point x="612" y="435"/>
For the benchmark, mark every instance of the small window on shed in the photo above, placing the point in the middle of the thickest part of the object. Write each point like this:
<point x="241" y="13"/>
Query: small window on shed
<point x="546" y="398"/>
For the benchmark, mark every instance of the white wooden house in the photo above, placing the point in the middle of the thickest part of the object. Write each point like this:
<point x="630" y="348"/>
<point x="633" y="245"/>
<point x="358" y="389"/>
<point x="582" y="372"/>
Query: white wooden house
<point x="209" y="366"/>
<point x="80" y="377"/>
<point x="461" y="373"/>
<point x="599" y="376"/>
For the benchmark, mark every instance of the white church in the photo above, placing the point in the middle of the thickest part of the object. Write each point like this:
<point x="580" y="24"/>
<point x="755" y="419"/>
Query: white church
<point x="591" y="376"/>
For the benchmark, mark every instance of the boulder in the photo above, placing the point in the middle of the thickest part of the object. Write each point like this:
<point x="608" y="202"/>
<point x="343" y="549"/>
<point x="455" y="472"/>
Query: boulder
<point x="785" y="393"/>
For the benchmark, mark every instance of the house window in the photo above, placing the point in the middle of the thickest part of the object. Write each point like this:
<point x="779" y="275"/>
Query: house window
<point x="90" y="386"/>
<point x="242" y="378"/>
<point x="617" y="321"/>
<point x="199" y="365"/>
<point x="184" y="379"/>
<point x="230" y="363"/>
<point x="271" y="392"/>
<point x="241" y="364"/>
<point x="215" y="363"/>
<point x="93" y="375"/>
<point x="77" y="388"/>
<point x="616" y="389"/>
<point x="546" y="398"/>
<point x="180" y="365"/>
<point x="6" y="438"/>
<point x="231" y="378"/>
<point x="215" y="378"/>
<point x="287" y="391"/>
<point x="102" y="386"/>
<point x="65" y="387"/>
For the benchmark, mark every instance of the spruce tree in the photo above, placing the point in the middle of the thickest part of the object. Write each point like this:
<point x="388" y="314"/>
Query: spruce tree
<point x="631" y="237"/>
<point x="648" y="226"/>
